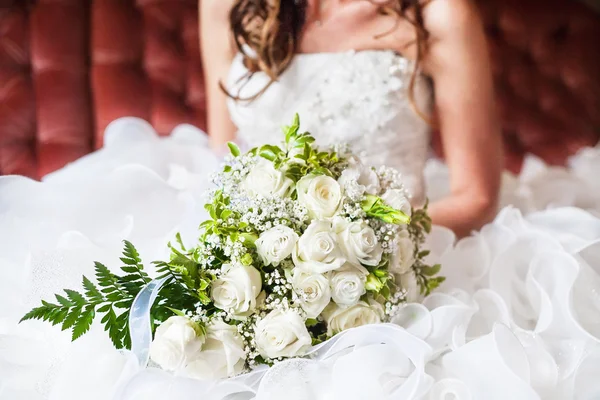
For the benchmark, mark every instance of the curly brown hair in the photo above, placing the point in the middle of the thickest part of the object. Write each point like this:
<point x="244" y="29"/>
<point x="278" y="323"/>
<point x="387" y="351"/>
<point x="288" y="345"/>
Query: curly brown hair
<point x="267" y="33"/>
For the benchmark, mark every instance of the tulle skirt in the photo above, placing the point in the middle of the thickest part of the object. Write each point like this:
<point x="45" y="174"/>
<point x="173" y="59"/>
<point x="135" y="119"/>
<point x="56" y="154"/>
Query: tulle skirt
<point x="517" y="318"/>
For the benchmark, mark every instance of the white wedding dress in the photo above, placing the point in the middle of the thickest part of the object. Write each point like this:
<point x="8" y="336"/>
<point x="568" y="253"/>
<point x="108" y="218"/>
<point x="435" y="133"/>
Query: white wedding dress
<point x="517" y="318"/>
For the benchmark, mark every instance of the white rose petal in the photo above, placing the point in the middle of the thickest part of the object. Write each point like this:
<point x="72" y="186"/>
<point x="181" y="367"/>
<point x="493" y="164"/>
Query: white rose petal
<point x="358" y="242"/>
<point x="276" y="244"/>
<point x="404" y="257"/>
<point x="176" y="341"/>
<point x="237" y="290"/>
<point x="396" y="198"/>
<point x="317" y="251"/>
<point x="282" y="334"/>
<point x="320" y="194"/>
<point x="313" y="290"/>
<point x="222" y="355"/>
<point x="347" y="287"/>
<point x="265" y="181"/>
<point x="358" y="173"/>
<point x="342" y="318"/>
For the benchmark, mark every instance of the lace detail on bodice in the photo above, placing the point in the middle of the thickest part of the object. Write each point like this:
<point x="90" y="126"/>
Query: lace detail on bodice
<point x="358" y="98"/>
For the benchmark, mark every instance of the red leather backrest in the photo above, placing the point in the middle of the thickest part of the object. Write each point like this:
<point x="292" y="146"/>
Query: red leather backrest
<point x="17" y="105"/>
<point x="69" y="67"/>
<point x="146" y="63"/>
<point x="546" y="57"/>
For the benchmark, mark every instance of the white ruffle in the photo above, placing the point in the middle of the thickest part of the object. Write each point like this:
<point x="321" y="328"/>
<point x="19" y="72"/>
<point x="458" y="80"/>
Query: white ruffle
<point x="517" y="318"/>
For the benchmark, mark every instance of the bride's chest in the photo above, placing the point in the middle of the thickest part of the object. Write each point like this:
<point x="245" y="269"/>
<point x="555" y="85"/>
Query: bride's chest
<point x="358" y="98"/>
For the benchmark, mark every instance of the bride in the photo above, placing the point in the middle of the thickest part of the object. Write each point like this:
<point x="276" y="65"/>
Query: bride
<point x="356" y="70"/>
<point x="518" y="315"/>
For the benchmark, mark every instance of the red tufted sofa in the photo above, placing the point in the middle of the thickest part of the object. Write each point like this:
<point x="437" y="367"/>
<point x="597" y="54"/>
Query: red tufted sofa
<point x="69" y="67"/>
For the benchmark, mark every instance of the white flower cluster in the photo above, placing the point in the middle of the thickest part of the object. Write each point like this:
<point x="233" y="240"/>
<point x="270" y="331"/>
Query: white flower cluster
<point x="302" y="245"/>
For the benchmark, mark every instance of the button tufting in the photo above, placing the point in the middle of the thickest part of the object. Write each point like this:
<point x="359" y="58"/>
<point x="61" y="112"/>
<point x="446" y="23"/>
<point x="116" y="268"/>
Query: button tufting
<point x="97" y="60"/>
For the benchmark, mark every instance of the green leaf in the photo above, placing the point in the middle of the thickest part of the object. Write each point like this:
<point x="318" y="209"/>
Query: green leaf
<point x="63" y="301"/>
<point x="424" y="253"/>
<point x="322" y="171"/>
<point x="247" y="259"/>
<point x="203" y="298"/>
<point x="434" y="283"/>
<point x="226" y="214"/>
<point x="91" y="291"/>
<point x="75" y="297"/>
<point x="249" y="239"/>
<point x="369" y="202"/>
<point x="84" y="323"/>
<point x="270" y="152"/>
<point x="128" y="261"/>
<point x="204" y="284"/>
<point x="311" y="322"/>
<point x="307" y="151"/>
<point x="71" y="318"/>
<point x="235" y="150"/>
<point x="431" y="271"/>
<point x="104" y="308"/>
<point x="131" y="252"/>
<point x="41" y="312"/>
<point x="176" y="312"/>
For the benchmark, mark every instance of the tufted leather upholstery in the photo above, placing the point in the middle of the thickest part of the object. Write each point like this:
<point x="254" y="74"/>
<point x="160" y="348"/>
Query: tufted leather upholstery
<point x="69" y="67"/>
<point x="547" y="67"/>
<point x="146" y="63"/>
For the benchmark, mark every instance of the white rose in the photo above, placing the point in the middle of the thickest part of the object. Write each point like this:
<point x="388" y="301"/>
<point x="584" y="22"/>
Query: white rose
<point x="342" y="318"/>
<point x="237" y="290"/>
<point x="357" y="173"/>
<point x="317" y="251"/>
<point x="404" y="257"/>
<point x="396" y="198"/>
<point x="176" y="341"/>
<point x="266" y="181"/>
<point x="320" y="194"/>
<point x="313" y="291"/>
<point x="276" y="244"/>
<point x="282" y="334"/>
<point x="347" y="287"/>
<point x="222" y="355"/>
<point x="358" y="242"/>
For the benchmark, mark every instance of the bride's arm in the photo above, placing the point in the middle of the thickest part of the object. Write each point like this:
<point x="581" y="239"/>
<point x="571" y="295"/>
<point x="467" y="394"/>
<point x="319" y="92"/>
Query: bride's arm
<point x="216" y="58"/>
<point x="457" y="60"/>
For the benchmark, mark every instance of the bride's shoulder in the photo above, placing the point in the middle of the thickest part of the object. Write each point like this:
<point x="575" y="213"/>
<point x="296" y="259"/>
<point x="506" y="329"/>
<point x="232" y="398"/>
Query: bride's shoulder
<point x="216" y="10"/>
<point x="448" y="18"/>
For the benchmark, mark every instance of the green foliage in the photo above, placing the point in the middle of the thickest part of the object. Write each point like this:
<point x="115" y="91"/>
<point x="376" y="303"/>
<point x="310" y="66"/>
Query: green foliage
<point x="235" y="150"/>
<point x="187" y="283"/>
<point x="112" y="293"/>
<point x="426" y="275"/>
<point x="375" y="207"/>
<point x="299" y="158"/>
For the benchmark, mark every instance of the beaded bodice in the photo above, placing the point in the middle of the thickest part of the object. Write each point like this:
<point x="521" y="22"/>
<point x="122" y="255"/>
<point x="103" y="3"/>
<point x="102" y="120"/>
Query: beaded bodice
<point x="358" y="98"/>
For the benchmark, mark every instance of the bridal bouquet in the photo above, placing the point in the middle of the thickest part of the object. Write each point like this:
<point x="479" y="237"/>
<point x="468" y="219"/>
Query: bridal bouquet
<point x="301" y="245"/>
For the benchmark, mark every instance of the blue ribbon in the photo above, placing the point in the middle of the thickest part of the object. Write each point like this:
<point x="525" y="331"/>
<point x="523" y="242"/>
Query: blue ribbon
<point x="140" y="327"/>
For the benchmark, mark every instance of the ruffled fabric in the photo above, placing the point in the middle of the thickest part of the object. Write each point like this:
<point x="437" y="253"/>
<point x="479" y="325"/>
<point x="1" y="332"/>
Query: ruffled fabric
<point x="517" y="318"/>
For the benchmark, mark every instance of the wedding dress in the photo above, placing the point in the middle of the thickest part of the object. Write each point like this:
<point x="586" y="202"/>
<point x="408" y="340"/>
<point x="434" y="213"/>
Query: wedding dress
<point x="518" y="317"/>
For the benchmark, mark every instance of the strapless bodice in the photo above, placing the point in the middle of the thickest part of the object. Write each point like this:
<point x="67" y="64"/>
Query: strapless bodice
<point x="356" y="98"/>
